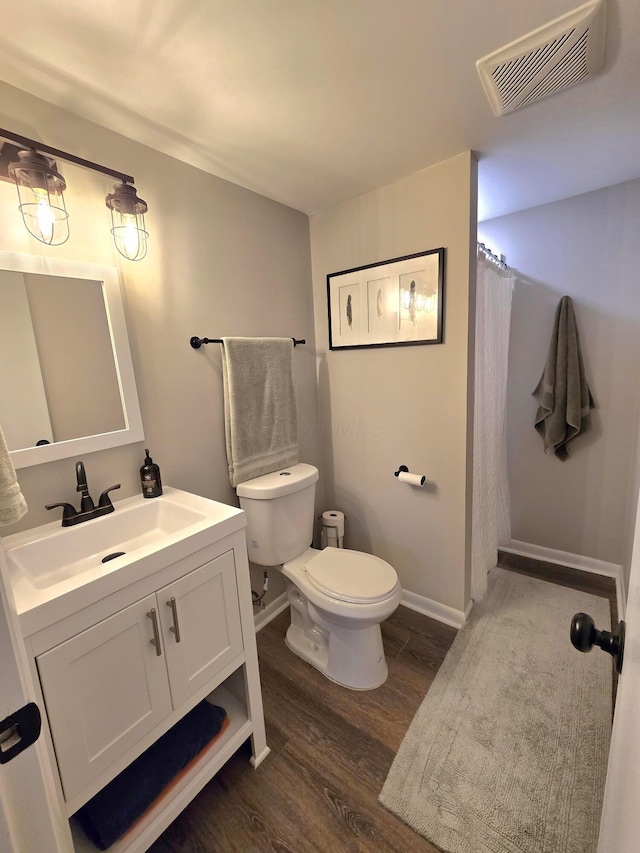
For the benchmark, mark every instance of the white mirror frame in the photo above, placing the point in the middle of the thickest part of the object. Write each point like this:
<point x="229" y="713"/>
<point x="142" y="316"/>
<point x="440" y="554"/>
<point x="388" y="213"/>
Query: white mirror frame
<point x="133" y="430"/>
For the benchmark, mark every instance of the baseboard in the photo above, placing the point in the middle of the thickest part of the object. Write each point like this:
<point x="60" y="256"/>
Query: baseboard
<point x="573" y="561"/>
<point x="440" y="612"/>
<point x="273" y="609"/>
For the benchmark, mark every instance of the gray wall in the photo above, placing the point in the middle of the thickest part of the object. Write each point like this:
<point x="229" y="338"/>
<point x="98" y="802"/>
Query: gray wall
<point x="586" y="247"/>
<point x="380" y="408"/>
<point x="222" y="261"/>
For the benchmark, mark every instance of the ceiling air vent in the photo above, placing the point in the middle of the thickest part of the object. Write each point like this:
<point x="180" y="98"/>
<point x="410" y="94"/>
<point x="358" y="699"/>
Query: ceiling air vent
<point x="548" y="60"/>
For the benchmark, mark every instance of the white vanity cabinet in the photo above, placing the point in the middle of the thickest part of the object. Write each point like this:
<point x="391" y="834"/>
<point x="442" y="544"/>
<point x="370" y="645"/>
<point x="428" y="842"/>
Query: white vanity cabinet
<point x="118" y="662"/>
<point x="200" y="626"/>
<point x="108" y="686"/>
<point x="103" y="691"/>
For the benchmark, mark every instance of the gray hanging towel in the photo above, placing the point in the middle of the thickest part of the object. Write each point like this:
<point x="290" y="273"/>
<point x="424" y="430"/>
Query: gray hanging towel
<point x="563" y="393"/>
<point x="261" y="421"/>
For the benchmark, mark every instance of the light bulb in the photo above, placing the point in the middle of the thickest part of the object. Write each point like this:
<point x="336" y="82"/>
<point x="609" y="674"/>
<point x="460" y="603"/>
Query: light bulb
<point x="44" y="214"/>
<point x="130" y="236"/>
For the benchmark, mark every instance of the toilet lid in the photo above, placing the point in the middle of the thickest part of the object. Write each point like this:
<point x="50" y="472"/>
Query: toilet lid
<point x="351" y="575"/>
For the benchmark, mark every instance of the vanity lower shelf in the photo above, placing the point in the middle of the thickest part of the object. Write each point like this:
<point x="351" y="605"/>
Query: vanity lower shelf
<point x="171" y="803"/>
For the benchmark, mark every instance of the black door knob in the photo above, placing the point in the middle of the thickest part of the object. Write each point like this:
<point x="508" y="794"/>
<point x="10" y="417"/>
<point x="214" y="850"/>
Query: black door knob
<point x="585" y="635"/>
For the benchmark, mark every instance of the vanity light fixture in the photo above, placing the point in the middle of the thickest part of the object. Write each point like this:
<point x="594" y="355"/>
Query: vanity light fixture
<point x="127" y="221"/>
<point x="32" y="166"/>
<point x="41" y="197"/>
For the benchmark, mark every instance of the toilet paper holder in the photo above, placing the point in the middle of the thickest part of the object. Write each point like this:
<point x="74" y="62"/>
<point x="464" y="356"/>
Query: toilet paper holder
<point x="413" y="479"/>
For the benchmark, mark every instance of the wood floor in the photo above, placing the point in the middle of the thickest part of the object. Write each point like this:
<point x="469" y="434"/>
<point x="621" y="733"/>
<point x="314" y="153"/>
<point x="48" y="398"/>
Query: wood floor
<point x="331" y="751"/>
<point x="564" y="576"/>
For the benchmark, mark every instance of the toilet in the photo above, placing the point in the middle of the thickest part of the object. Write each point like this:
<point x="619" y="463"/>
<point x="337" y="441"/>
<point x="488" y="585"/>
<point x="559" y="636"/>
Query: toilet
<point x="338" y="597"/>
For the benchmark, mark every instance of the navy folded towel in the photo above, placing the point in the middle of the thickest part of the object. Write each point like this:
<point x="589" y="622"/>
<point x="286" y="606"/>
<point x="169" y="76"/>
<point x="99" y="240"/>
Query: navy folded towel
<point x="120" y="803"/>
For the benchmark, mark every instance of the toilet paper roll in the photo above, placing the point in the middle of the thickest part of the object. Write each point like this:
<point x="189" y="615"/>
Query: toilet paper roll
<point x="412" y="479"/>
<point x="333" y="524"/>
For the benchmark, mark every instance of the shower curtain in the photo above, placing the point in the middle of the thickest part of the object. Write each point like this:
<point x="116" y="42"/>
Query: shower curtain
<point x="491" y="516"/>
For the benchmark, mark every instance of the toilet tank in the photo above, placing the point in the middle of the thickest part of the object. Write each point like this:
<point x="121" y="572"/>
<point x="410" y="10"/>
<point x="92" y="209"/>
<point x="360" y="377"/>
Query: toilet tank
<point x="280" y="510"/>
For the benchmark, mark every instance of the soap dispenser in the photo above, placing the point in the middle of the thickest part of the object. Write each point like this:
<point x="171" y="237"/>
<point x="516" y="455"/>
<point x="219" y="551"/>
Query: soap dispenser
<point x="150" y="478"/>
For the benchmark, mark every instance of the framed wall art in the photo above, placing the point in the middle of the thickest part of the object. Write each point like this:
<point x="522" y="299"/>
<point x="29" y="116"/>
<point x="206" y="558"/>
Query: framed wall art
<point x="390" y="303"/>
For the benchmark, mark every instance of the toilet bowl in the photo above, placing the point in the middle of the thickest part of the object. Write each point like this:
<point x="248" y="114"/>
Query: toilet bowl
<point x="338" y="597"/>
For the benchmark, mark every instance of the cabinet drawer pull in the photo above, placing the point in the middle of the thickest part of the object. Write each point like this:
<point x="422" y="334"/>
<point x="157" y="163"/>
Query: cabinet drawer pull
<point x="174" y="613"/>
<point x="156" y="633"/>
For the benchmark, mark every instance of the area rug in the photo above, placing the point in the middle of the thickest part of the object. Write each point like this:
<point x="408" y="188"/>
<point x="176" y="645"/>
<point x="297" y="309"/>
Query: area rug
<point x="508" y="751"/>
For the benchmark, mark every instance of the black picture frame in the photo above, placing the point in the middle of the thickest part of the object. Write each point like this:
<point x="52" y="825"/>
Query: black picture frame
<point x="399" y="302"/>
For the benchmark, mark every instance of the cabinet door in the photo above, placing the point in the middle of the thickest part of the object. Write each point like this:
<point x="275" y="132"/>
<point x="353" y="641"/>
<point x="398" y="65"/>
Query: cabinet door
<point x="104" y="689"/>
<point x="200" y="625"/>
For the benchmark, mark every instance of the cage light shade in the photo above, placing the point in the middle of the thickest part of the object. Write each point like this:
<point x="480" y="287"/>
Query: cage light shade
<point x="127" y="221"/>
<point x="41" y="197"/>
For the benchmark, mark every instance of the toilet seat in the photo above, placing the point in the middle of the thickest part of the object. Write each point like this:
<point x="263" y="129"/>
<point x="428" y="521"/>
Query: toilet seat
<point x="351" y="576"/>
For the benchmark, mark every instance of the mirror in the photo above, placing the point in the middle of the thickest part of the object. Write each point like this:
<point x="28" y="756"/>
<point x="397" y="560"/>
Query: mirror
<point x="66" y="378"/>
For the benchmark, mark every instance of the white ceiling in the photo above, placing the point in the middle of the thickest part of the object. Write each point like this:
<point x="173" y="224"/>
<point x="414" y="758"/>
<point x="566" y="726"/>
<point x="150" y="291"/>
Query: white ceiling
<point x="311" y="102"/>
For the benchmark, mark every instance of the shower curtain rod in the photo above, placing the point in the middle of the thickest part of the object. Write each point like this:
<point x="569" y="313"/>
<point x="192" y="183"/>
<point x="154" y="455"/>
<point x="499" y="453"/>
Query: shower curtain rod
<point x="196" y="342"/>
<point x="500" y="261"/>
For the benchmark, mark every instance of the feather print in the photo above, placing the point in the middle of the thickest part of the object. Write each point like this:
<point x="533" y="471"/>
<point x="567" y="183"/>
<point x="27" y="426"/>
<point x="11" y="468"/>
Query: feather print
<point x="412" y="302"/>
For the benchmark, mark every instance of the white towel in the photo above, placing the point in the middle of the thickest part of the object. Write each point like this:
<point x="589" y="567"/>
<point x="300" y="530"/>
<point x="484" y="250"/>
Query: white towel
<point x="12" y="504"/>
<point x="261" y="421"/>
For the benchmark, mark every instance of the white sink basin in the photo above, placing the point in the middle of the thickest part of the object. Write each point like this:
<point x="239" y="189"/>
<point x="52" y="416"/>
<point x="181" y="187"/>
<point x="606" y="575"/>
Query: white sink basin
<point x="61" y="553"/>
<point x="51" y="561"/>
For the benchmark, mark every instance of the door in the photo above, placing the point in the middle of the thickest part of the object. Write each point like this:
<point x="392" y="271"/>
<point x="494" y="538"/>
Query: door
<point x="620" y="823"/>
<point x="201" y="629"/>
<point x="29" y="818"/>
<point x="104" y="690"/>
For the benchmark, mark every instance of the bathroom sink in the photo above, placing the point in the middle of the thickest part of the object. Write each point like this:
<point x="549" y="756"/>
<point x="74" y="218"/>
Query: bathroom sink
<point x="51" y="561"/>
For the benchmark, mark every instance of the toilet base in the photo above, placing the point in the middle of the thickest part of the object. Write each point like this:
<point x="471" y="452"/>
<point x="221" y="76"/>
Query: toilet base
<point x="350" y="656"/>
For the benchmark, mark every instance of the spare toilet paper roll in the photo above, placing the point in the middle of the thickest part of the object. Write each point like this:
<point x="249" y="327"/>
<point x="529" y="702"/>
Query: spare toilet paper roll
<point x="412" y="479"/>
<point x="333" y="523"/>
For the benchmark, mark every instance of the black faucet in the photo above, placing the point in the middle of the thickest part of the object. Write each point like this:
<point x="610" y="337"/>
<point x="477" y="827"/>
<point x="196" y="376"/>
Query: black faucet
<point x="86" y="503"/>
<point x="87" y="509"/>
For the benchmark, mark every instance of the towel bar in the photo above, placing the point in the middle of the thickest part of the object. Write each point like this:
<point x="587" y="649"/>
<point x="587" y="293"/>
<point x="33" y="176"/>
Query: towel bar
<point x="196" y="342"/>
